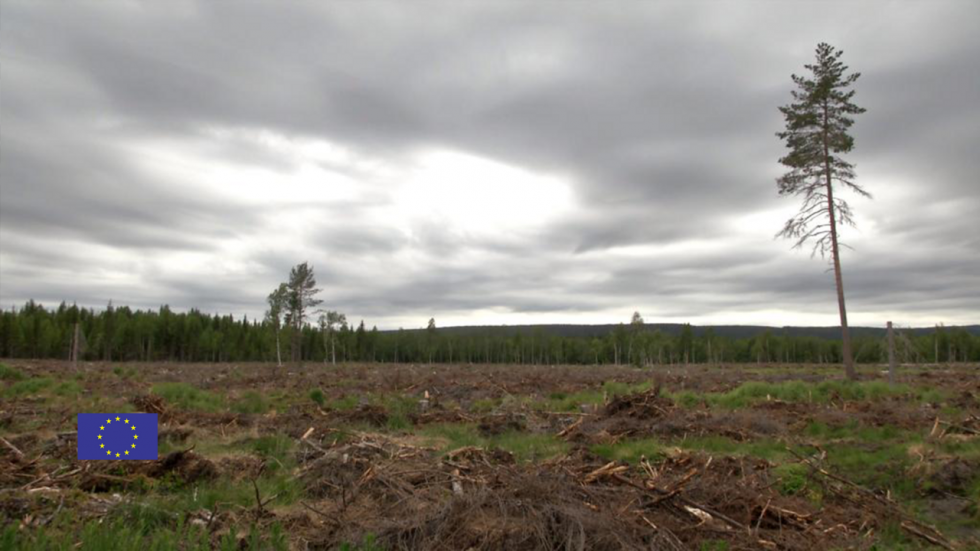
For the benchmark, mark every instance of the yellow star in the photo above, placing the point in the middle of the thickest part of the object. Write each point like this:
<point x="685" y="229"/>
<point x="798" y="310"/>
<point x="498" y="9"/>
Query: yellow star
<point x="127" y="420"/>
<point x="100" y="437"/>
<point x="108" y="452"/>
<point x="134" y="445"/>
<point x="101" y="445"/>
<point x="117" y="455"/>
<point x="117" y="418"/>
<point x="136" y="436"/>
<point x="134" y="427"/>
<point x="127" y="452"/>
<point x="102" y="427"/>
<point x="108" y="421"/>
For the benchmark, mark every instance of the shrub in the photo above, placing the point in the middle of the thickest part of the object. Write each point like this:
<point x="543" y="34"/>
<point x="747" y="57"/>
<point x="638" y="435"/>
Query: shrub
<point x="317" y="396"/>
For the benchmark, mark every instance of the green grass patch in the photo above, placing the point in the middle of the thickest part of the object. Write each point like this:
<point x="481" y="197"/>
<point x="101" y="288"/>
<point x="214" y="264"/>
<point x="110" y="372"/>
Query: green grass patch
<point x="852" y="430"/>
<point x="346" y="403"/>
<point x="765" y="448"/>
<point x="28" y="387"/>
<point x="276" y="447"/>
<point x="891" y="537"/>
<point x="368" y="543"/>
<point x="117" y="535"/>
<point x="931" y="395"/>
<point x="880" y="466"/>
<point x="754" y="392"/>
<point x="188" y="397"/>
<point x="452" y="436"/>
<point x="137" y="526"/>
<point x="529" y="447"/>
<point x="792" y="478"/>
<point x="8" y="373"/>
<point x="485" y="405"/>
<point x="687" y="399"/>
<point x="630" y="450"/>
<point x="124" y="372"/>
<point x="251" y="402"/>
<point x="66" y="389"/>
<point x="964" y="449"/>
<point x="398" y="407"/>
<point x="560" y="401"/>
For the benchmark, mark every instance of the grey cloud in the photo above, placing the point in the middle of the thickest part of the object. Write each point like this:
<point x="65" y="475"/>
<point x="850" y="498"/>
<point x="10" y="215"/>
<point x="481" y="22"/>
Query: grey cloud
<point x="660" y="118"/>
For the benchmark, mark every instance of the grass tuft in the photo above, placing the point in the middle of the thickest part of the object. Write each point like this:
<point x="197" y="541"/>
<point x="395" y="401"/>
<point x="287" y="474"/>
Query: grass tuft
<point x="630" y="450"/>
<point x="188" y="397"/>
<point x="792" y="478"/>
<point x="8" y="373"/>
<point x="28" y="387"/>
<point x="251" y="402"/>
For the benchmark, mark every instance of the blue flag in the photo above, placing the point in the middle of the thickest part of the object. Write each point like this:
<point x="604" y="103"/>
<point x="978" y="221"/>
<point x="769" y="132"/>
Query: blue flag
<point x="117" y="436"/>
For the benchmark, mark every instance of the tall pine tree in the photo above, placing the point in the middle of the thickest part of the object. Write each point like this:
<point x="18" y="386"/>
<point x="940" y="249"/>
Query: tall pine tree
<point x="302" y="299"/>
<point x="817" y="124"/>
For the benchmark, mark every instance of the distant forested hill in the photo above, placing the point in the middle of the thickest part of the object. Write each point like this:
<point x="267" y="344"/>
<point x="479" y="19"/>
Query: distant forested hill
<point x="674" y="329"/>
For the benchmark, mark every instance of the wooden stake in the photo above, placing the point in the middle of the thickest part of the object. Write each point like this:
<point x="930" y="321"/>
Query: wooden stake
<point x="891" y="354"/>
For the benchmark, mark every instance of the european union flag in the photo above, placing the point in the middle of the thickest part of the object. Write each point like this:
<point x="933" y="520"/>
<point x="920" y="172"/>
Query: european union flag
<point x="117" y="436"/>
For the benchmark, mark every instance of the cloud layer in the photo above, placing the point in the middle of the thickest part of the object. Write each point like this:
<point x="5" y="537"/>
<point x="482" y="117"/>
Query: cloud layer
<point x="487" y="163"/>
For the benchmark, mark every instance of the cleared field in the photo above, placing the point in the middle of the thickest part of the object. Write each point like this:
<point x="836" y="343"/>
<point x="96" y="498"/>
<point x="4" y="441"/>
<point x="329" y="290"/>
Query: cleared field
<point x="373" y="456"/>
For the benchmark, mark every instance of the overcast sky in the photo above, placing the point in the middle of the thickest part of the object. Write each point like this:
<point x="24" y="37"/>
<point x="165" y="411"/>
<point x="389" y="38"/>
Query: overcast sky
<point x="480" y="162"/>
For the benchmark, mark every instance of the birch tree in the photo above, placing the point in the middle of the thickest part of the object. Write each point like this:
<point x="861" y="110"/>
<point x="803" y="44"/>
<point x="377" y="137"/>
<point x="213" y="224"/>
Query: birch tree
<point x="278" y="300"/>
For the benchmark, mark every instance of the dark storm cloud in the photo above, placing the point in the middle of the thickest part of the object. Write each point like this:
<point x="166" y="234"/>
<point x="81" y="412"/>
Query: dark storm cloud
<point x="660" y="118"/>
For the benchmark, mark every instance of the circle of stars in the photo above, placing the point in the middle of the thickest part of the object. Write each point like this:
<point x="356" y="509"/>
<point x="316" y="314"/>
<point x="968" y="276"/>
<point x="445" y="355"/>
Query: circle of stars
<point x="109" y="422"/>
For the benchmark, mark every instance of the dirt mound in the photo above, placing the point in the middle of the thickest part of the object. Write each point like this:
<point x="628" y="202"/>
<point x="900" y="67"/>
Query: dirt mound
<point x="184" y="465"/>
<point x="644" y="405"/>
<point x="341" y="470"/>
<point x="240" y="467"/>
<point x="148" y="403"/>
<point x="364" y="413"/>
<point x="471" y="458"/>
<point x="524" y="511"/>
<point x="953" y="477"/>
<point x="437" y="415"/>
<point x="492" y="425"/>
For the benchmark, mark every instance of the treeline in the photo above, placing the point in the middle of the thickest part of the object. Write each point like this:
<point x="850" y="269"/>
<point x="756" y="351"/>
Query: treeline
<point x="124" y="334"/>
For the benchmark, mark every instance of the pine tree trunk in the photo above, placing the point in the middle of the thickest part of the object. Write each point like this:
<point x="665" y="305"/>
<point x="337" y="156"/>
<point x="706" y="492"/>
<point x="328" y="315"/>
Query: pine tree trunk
<point x="835" y="251"/>
<point x="74" y="347"/>
<point x="278" y="350"/>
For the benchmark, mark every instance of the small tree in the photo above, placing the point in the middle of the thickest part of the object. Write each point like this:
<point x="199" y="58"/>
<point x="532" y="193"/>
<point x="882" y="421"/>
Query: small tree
<point x="329" y="322"/>
<point x="636" y="327"/>
<point x="816" y="134"/>
<point x="430" y="337"/>
<point x="302" y="293"/>
<point x="278" y="300"/>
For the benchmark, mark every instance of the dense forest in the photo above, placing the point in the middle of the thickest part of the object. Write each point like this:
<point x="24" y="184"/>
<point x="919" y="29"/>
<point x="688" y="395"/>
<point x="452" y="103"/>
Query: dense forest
<point x="124" y="334"/>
